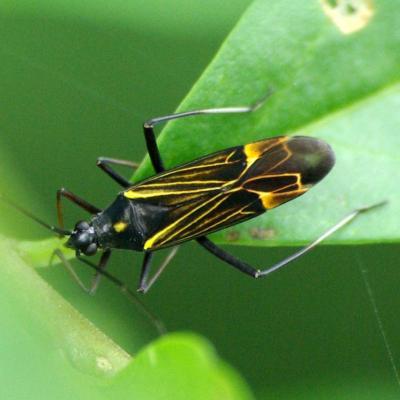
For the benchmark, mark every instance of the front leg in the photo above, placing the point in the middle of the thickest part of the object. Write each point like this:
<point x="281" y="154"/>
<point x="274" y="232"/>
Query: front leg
<point x="104" y="164"/>
<point x="148" y="126"/>
<point x="100" y="269"/>
<point x="74" y="199"/>
<point x="145" y="283"/>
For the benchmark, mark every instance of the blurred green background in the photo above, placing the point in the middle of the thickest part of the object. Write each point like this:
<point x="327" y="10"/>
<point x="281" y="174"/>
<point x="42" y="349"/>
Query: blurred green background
<point x="77" y="81"/>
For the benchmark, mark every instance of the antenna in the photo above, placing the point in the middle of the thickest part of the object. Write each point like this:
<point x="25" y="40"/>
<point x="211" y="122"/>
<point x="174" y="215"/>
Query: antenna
<point x="55" y="229"/>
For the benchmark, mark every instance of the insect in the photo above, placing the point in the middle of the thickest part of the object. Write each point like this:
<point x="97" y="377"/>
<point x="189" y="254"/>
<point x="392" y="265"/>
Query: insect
<point x="192" y="200"/>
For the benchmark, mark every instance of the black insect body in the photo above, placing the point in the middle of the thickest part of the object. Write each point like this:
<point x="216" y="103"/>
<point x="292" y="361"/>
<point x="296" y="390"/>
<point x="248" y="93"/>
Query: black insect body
<point x="206" y="195"/>
<point x="192" y="200"/>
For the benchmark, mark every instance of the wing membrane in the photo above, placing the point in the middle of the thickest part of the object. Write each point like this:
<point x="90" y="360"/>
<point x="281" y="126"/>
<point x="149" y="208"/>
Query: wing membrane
<point x="223" y="189"/>
<point x="190" y="182"/>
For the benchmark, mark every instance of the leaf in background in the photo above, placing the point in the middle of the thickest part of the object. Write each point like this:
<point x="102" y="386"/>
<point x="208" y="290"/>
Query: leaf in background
<point x="340" y="86"/>
<point x="57" y="55"/>
<point x="43" y="329"/>
<point x="322" y="80"/>
<point x="179" y="366"/>
<point x="78" y="360"/>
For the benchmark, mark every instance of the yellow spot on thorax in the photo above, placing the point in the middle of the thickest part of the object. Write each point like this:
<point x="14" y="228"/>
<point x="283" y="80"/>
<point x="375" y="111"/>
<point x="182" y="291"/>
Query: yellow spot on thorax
<point x="120" y="226"/>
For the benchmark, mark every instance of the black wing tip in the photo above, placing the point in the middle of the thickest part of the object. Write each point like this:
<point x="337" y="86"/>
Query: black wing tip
<point x="314" y="156"/>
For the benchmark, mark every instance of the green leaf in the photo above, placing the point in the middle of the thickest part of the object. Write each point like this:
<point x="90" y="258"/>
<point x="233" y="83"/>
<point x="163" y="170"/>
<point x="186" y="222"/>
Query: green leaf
<point x="340" y="86"/>
<point x="81" y="360"/>
<point x="43" y="329"/>
<point x="51" y="52"/>
<point x="85" y="81"/>
<point x="180" y="366"/>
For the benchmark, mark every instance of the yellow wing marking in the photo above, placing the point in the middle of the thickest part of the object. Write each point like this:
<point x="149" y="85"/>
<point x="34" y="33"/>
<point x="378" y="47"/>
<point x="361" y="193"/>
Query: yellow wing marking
<point x="199" y="218"/>
<point x="297" y="175"/>
<point x="146" y="191"/>
<point x="204" y="221"/>
<point x="224" y="161"/>
<point x="150" y="242"/>
<point x="228" y="218"/>
<point x="132" y="194"/>
<point x="229" y="156"/>
<point x="180" y="178"/>
<point x="269" y="200"/>
<point x="254" y="151"/>
<point x="279" y="196"/>
<point x="272" y="200"/>
<point x="177" y="183"/>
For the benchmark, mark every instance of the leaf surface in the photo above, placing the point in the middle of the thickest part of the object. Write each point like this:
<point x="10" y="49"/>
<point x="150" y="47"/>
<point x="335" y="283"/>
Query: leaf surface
<point x="339" y="86"/>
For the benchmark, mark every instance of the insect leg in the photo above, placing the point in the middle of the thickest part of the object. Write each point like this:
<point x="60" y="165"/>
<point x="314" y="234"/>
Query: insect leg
<point x="104" y="164"/>
<point x="145" y="283"/>
<point x="68" y="266"/>
<point x="227" y="257"/>
<point x="256" y="273"/>
<point x="144" y="272"/>
<point x="76" y="200"/>
<point x="148" y="126"/>
<point x="122" y="287"/>
<point x="99" y="272"/>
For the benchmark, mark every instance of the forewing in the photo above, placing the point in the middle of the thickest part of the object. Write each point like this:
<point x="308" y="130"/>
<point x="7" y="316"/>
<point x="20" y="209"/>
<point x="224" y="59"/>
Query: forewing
<point x="223" y="189"/>
<point x="205" y="216"/>
<point x="193" y="181"/>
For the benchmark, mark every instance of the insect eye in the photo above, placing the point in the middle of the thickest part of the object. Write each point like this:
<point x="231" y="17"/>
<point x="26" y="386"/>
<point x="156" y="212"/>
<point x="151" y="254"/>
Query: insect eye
<point x="91" y="249"/>
<point x="83" y="239"/>
<point x="82" y="226"/>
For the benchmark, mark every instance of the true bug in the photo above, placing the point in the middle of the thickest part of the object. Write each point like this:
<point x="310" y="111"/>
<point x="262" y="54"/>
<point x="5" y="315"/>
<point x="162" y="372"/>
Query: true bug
<point x="197" y="198"/>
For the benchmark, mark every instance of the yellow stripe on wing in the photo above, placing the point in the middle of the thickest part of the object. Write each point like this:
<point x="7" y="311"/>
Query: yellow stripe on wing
<point x="151" y="241"/>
